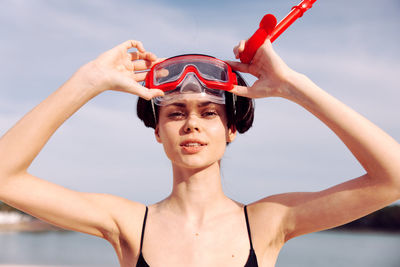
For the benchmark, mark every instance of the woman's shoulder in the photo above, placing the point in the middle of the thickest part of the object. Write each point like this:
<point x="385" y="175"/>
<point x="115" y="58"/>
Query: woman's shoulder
<point x="118" y="205"/>
<point x="271" y="205"/>
<point x="267" y="219"/>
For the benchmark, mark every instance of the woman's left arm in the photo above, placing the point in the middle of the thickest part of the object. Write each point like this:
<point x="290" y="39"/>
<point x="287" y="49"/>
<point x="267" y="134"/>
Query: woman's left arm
<point x="376" y="151"/>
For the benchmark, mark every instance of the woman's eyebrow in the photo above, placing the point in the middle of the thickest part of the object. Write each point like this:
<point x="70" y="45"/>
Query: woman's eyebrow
<point x="203" y="104"/>
<point x="181" y="105"/>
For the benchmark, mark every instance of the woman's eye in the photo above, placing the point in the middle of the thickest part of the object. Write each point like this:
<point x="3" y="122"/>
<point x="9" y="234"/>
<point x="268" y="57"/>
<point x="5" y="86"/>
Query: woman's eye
<point x="210" y="113"/>
<point x="176" y="115"/>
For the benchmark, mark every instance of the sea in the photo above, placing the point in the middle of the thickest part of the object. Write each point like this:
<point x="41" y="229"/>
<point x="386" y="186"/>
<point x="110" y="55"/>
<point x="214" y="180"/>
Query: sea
<point x="323" y="249"/>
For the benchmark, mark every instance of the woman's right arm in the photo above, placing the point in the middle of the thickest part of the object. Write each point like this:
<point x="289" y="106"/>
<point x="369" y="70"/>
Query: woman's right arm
<point x="88" y="213"/>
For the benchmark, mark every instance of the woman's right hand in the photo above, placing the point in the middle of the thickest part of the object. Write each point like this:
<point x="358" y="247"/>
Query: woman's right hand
<point x="120" y="70"/>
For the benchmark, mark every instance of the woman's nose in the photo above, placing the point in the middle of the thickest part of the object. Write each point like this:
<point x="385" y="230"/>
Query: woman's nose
<point x="191" y="124"/>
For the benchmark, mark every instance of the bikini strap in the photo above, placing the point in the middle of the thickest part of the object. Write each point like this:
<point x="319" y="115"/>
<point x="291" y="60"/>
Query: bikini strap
<point x="248" y="226"/>
<point x="144" y="226"/>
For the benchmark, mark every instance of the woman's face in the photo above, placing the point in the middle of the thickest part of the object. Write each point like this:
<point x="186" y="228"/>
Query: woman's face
<point x="193" y="132"/>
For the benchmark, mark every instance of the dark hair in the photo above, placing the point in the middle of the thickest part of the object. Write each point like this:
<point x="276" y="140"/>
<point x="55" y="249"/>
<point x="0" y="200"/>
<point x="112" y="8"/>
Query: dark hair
<point x="239" y="110"/>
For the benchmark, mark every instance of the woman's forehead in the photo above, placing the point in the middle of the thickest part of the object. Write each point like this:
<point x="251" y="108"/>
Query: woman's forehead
<point x="191" y="102"/>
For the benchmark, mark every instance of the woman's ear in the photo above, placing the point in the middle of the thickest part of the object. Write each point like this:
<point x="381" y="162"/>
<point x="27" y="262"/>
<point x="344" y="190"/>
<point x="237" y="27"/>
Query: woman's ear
<point x="157" y="134"/>
<point x="231" y="134"/>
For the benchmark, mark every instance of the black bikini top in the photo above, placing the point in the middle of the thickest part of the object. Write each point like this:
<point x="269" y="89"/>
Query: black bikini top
<point x="251" y="261"/>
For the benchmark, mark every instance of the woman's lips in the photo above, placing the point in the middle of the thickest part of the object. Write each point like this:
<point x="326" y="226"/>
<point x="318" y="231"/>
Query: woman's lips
<point x="192" y="146"/>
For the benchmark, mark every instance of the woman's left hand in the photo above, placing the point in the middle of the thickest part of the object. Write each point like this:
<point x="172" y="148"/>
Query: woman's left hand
<point x="272" y="72"/>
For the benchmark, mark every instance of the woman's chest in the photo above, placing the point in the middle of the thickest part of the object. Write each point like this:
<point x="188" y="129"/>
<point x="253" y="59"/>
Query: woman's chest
<point x="224" y="243"/>
<point x="187" y="245"/>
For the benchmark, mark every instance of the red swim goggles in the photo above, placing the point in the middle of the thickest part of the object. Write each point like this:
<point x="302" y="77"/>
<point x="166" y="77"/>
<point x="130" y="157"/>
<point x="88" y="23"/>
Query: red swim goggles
<point x="191" y="74"/>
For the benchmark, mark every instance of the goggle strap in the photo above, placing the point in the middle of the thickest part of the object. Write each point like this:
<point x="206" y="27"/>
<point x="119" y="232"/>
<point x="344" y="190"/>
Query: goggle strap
<point x="154" y="111"/>
<point x="234" y="105"/>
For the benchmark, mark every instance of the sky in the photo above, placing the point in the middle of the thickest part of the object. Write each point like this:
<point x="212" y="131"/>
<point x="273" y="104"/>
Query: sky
<point x="349" y="48"/>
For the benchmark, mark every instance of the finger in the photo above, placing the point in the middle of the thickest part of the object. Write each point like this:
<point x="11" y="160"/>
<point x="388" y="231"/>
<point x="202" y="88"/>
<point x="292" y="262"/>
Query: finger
<point x="239" y="48"/>
<point x="140" y="65"/>
<point x="161" y="73"/>
<point x="142" y="55"/>
<point x="150" y="56"/>
<point x="147" y="93"/>
<point x="133" y="44"/>
<point x="268" y="43"/>
<point x="242" y="44"/>
<point x="134" y="55"/>
<point x="240" y="90"/>
<point x="236" y="51"/>
<point x="238" y="66"/>
<point x="140" y="77"/>
<point x="155" y="93"/>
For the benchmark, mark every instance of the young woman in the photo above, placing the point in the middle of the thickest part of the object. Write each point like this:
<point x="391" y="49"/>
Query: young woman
<point x="197" y="225"/>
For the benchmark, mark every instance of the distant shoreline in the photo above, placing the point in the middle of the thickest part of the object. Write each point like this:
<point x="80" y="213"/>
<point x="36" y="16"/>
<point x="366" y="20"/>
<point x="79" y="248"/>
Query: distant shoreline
<point x="15" y="265"/>
<point x="14" y="221"/>
<point x="363" y="230"/>
<point x="34" y="225"/>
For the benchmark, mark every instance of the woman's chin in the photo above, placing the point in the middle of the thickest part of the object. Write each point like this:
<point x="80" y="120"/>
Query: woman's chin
<point x="196" y="164"/>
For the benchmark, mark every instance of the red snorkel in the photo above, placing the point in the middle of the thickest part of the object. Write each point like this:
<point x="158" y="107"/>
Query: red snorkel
<point x="268" y="28"/>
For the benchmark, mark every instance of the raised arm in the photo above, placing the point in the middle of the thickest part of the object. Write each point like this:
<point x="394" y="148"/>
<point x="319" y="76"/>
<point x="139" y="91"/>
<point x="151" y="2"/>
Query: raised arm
<point x="376" y="151"/>
<point x="89" y="213"/>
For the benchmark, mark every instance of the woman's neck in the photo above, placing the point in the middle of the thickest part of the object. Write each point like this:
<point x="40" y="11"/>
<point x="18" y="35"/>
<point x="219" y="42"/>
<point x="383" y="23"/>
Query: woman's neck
<point x="197" y="193"/>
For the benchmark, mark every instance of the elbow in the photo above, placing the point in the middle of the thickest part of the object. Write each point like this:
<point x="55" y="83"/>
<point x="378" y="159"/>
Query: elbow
<point x="7" y="183"/>
<point x="383" y="189"/>
<point x="394" y="186"/>
<point x="4" y="177"/>
<point x="397" y="190"/>
<point x="8" y="171"/>
<point x="392" y="190"/>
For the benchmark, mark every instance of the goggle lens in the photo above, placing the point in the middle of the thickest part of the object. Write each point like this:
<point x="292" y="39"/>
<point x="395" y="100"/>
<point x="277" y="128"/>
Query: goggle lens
<point x="189" y="87"/>
<point x="171" y="70"/>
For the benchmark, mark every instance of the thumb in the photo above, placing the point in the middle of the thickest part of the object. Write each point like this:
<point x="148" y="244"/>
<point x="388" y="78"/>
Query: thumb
<point x="155" y="92"/>
<point x="151" y="93"/>
<point x="240" y="90"/>
<point x="145" y="92"/>
<point x="238" y="66"/>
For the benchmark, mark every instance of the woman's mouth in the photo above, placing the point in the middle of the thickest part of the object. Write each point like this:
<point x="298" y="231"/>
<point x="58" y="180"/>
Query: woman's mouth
<point x="192" y="144"/>
<point x="192" y="147"/>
